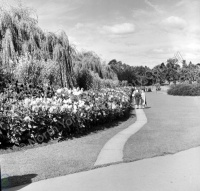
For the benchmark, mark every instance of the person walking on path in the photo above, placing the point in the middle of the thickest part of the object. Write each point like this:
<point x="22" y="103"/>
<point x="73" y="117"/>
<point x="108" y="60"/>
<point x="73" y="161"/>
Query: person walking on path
<point x="137" y="99"/>
<point x="143" y="99"/>
<point x="133" y="95"/>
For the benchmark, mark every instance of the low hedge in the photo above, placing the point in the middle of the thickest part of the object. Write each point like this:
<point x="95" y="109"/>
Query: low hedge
<point x="184" y="90"/>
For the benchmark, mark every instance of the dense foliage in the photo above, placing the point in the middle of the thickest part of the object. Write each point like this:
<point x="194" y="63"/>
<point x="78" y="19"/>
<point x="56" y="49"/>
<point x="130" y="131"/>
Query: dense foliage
<point x="185" y="90"/>
<point x="69" y="112"/>
<point x="134" y="75"/>
<point x="92" y="73"/>
<point x="172" y="72"/>
<point x="20" y="35"/>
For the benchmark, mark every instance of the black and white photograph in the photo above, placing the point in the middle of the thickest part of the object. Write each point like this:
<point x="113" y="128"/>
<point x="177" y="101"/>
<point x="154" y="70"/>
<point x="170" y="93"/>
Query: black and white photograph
<point x="99" y="95"/>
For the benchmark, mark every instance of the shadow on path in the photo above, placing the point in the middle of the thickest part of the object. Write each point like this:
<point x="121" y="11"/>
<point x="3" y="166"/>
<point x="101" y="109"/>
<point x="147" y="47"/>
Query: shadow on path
<point x="147" y="108"/>
<point x="11" y="181"/>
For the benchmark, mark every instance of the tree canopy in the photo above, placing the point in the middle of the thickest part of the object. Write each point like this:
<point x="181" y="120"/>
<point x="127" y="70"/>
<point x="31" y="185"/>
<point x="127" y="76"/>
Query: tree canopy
<point x="20" y="34"/>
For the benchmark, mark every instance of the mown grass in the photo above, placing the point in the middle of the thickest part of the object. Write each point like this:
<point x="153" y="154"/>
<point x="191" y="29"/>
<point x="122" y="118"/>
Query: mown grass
<point x="57" y="159"/>
<point x="173" y="126"/>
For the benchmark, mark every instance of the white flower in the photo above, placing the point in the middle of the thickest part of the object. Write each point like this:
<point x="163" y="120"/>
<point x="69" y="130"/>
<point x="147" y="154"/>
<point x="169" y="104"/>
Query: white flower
<point x="59" y="91"/>
<point x="81" y="103"/>
<point x="69" y="106"/>
<point x="33" y="103"/>
<point x="75" y="109"/>
<point x="37" y="99"/>
<point x="87" y="107"/>
<point x="35" y="108"/>
<point x="27" y="102"/>
<point x="53" y="109"/>
<point x="68" y="101"/>
<point x="64" y="107"/>
<point x="59" y="100"/>
<point x="55" y="103"/>
<point x="27" y="119"/>
<point x="114" y="106"/>
<point x="55" y="120"/>
<point x="76" y="93"/>
<point x="49" y="100"/>
<point x="109" y="105"/>
<point x="44" y="107"/>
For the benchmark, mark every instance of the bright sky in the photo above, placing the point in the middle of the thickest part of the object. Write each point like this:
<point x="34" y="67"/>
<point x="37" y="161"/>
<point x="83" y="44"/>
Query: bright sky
<point x="137" y="32"/>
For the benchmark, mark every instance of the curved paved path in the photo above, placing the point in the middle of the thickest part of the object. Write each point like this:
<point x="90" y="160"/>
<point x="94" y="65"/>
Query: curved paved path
<point x="113" y="150"/>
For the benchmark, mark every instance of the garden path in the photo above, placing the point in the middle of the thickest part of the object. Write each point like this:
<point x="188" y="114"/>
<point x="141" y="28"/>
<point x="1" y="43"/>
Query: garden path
<point x="112" y="151"/>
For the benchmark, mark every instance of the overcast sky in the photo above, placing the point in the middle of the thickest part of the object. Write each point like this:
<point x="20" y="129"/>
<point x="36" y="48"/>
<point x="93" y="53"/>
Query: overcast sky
<point x="137" y="32"/>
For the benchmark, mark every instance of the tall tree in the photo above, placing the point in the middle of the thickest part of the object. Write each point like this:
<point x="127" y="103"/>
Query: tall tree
<point x="21" y="35"/>
<point x="91" y="61"/>
<point x="19" y="32"/>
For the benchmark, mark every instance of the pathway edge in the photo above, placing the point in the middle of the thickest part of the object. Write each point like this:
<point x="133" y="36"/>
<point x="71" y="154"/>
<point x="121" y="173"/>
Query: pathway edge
<point x="112" y="151"/>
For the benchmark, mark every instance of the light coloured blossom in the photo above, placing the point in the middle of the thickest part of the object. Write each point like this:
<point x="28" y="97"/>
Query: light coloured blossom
<point x="67" y="101"/>
<point x="59" y="91"/>
<point x="65" y="107"/>
<point x="27" y="119"/>
<point x="33" y="102"/>
<point x="75" y="109"/>
<point x="87" y="107"/>
<point x="53" y="109"/>
<point x="114" y="106"/>
<point x="81" y="103"/>
<point x="35" y="108"/>
<point x="27" y="102"/>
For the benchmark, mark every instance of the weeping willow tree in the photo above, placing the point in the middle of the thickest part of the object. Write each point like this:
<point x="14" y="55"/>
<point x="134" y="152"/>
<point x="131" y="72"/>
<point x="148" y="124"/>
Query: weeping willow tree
<point x="20" y="35"/>
<point x="91" y="61"/>
<point x="57" y="47"/>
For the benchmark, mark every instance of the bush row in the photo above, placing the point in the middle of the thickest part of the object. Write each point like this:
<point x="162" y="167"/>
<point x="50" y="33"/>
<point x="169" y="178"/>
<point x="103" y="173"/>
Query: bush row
<point x="184" y="90"/>
<point x="68" y="113"/>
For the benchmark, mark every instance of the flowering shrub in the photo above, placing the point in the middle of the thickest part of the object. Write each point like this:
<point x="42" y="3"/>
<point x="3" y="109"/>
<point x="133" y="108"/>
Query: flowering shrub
<point x="68" y="113"/>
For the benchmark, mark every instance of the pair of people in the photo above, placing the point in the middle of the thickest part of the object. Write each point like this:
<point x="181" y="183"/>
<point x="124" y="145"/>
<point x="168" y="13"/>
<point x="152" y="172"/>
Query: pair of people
<point x="139" y="98"/>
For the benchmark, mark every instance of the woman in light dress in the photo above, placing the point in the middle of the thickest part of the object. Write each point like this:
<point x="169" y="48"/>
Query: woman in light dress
<point x="137" y="98"/>
<point x="133" y="95"/>
<point x="143" y="99"/>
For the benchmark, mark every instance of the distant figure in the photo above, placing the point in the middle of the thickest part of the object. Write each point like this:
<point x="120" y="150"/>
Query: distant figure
<point x="143" y="99"/>
<point x="157" y="87"/>
<point x="137" y="99"/>
<point x="133" y="95"/>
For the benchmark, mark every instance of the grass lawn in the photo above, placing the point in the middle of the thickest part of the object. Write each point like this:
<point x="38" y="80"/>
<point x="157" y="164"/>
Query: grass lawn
<point x="173" y="125"/>
<point x="56" y="159"/>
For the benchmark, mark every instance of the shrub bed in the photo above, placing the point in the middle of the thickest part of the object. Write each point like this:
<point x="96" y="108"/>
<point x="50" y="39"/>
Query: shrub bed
<point x="184" y="90"/>
<point x="68" y="113"/>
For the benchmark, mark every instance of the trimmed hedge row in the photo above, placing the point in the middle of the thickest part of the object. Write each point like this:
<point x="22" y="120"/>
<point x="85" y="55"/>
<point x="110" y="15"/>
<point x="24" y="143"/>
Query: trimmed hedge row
<point x="184" y="90"/>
